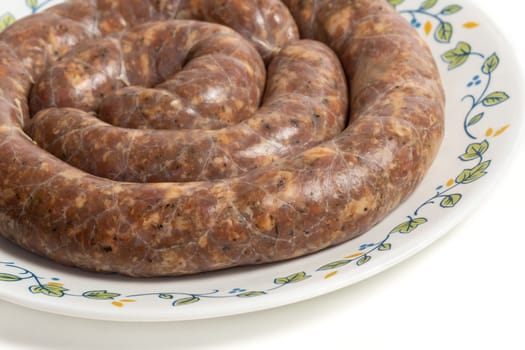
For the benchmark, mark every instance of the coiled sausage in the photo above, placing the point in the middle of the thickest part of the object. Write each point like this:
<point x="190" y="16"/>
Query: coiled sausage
<point x="298" y="204"/>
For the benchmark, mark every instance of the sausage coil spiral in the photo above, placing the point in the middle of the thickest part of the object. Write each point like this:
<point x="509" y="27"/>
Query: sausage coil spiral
<point x="171" y="137"/>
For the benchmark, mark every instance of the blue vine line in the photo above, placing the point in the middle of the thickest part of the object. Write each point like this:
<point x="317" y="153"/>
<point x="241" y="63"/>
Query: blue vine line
<point x="414" y="13"/>
<point x="58" y="290"/>
<point x="190" y="298"/>
<point x="469" y="121"/>
<point x="444" y="30"/>
<point x="35" y="6"/>
<point x="24" y="274"/>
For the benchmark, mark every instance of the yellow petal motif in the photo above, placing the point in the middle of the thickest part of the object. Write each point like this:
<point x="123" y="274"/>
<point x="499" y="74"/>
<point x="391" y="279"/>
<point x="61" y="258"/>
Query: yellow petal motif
<point x="502" y="130"/>
<point x="428" y="27"/>
<point x="331" y="274"/>
<point x="470" y="25"/>
<point x="354" y="255"/>
<point x="56" y="284"/>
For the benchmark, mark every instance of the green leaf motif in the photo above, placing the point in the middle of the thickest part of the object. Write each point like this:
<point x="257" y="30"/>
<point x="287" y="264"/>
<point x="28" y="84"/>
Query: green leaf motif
<point x="251" y="294"/>
<point x="364" y="260"/>
<point x="451" y="9"/>
<point x="476" y="119"/>
<point x="334" y="265"/>
<point x="395" y="3"/>
<point x="186" y="301"/>
<point x="450" y="201"/>
<point x="100" y="295"/>
<point x="385" y="246"/>
<point x="165" y="296"/>
<point x="6" y="20"/>
<point x="458" y="55"/>
<point x="474" y="174"/>
<point x="495" y="98"/>
<point x="409" y="226"/>
<point x="443" y="32"/>
<point x="427" y="4"/>
<point x="32" y="3"/>
<point x="7" y="277"/>
<point x="293" y="278"/>
<point x="490" y="64"/>
<point x="49" y="290"/>
<point x="475" y="151"/>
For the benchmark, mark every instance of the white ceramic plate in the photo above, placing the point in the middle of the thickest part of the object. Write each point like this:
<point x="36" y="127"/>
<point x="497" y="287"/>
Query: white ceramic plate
<point x="483" y="119"/>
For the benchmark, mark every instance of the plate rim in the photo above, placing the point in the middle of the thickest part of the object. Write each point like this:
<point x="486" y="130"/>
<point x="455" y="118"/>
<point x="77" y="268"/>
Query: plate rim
<point x="285" y="296"/>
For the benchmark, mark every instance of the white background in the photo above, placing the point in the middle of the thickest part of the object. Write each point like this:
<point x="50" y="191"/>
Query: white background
<point x="464" y="291"/>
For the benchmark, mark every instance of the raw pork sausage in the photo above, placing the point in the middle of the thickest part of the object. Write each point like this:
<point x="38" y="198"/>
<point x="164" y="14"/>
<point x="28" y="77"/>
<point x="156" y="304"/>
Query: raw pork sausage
<point x="301" y="203"/>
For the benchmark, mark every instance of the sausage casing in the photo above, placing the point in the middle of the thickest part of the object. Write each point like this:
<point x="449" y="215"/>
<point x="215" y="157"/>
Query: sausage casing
<point x="301" y="203"/>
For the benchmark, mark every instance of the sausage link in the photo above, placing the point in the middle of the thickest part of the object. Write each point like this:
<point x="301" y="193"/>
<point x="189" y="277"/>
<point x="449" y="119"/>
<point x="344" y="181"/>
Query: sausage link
<point x="111" y="16"/>
<point x="216" y="68"/>
<point x="147" y="56"/>
<point x="39" y="46"/>
<point x="299" y="204"/>
<point x="137" y="107"/>
<point x="266" y="23"/>
<point x="297" y="113"/>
